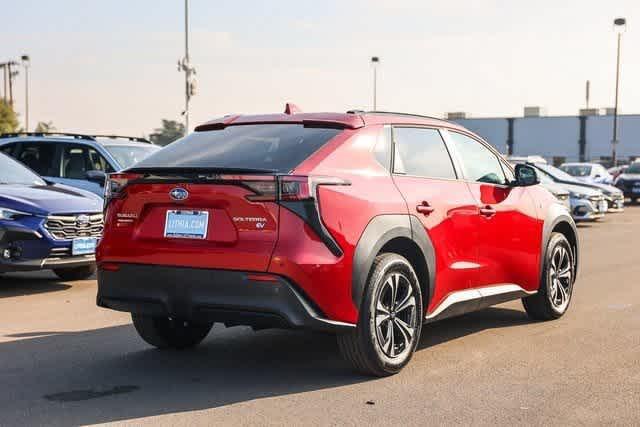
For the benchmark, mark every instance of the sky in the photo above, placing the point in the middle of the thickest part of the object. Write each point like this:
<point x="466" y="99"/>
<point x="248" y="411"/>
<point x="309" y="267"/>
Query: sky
<point x="110" y="66"/>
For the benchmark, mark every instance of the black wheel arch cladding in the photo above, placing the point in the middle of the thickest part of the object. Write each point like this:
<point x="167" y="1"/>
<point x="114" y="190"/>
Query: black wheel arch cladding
<point x="382" y="230"/>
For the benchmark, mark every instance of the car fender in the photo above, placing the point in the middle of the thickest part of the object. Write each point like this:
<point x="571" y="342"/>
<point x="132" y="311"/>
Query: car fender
<point x="381" y="230"/>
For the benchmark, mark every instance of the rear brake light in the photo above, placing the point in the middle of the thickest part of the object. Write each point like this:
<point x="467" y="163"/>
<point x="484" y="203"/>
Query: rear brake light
<point x="116" y="183"/>
<point x="299" y="194"/>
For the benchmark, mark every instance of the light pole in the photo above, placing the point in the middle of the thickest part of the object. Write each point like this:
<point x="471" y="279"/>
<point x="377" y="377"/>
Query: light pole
<point x="26" y="62"/>
<point x="619" y="25"/>
<point x="374" y="63"/>
<point x="189" y="70"/>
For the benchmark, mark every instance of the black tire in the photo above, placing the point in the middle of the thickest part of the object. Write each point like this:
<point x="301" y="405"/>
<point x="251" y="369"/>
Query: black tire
<point x="163" y="332"/>
<point x="76" y="273"/>
<point x="540" y="305"/>
<point x="363" y="348"/>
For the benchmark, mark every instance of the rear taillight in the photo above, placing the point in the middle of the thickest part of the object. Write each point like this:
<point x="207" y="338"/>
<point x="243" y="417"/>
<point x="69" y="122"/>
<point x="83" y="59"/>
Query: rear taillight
<point x="299" y="194"/>
<point x="116" y="183"/>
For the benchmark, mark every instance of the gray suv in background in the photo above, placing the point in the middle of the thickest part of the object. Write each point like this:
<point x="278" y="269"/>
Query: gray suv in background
<point x="80" y="161"/>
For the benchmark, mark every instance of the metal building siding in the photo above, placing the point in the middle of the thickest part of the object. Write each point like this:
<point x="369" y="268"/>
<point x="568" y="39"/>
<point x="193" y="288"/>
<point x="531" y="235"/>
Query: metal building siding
<point x="600" y="132"/>
<point x="494" y="131"/>
<point x="559" y="136"/>
<point x="547" y="136"/>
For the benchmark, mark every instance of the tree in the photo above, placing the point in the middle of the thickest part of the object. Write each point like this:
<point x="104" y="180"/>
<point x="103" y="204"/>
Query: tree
<point x="8" y="118"/>
<point x="45" y="127"/>
<point x="167" y="133"/>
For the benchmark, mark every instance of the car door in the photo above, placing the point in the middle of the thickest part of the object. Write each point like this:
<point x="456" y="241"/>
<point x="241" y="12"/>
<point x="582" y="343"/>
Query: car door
<point x="425" y="174"/>
<point x="509" y="232"/>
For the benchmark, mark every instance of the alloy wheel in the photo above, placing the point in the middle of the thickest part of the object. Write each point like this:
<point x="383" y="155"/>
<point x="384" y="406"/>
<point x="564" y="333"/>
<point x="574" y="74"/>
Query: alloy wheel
<point x="560" y="278"/>
<point x="396" y="320"/>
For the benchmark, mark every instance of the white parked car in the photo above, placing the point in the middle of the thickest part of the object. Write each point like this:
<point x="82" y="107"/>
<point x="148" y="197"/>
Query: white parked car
<point x="591" y="173"/>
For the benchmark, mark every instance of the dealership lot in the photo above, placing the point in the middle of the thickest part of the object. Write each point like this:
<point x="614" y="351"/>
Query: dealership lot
<point x="65" y="361"/>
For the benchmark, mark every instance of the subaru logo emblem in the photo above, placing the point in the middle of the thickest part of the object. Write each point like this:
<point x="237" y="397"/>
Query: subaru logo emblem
<point x="82" y="220"/>
<point x="178" y="194"/>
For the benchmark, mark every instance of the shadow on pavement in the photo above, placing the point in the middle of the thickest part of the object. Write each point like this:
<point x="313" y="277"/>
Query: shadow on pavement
<point x="107" y="375"/>
<point x="15" y="285"/>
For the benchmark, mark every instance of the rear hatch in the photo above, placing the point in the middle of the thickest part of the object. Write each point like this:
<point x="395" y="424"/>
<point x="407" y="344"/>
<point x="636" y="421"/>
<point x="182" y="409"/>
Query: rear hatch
<point x="209" y="200"/>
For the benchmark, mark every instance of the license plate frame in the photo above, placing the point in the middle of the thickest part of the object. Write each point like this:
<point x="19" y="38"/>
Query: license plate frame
<point x="84" y="246"/>
<point x="196" y="225"/>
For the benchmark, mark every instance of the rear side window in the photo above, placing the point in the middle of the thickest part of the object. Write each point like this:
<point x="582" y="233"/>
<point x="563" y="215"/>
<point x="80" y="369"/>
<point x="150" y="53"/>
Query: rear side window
<point x="421" y="152"/>
<point x="275" y="147"/>
<point x="382" y="149"/>
<point x="40" y="157"/>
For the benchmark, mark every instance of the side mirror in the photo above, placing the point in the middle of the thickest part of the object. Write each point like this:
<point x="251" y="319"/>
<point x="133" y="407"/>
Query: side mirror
<point x="97" y="176"/>
<point x="525" y="176"/>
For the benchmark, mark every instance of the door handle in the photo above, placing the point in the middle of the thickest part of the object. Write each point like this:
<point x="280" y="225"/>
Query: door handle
<point x="425" y="209"/>
<point x="487" y="211"/>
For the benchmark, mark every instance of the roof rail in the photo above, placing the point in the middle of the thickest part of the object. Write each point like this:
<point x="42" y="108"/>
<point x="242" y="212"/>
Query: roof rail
<point x="130" y="138"/>
<point x="73" y="135"/>
<point x="396" y="114"/>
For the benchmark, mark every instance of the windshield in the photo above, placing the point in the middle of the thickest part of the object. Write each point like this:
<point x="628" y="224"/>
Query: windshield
<point x="12" y="172"/>
<point x="555" y="173"/>
<point x="270" y="147"/>
<point x="634" y="168"/>
<point x="129" y="155"/>
<point x="577" y="170"/>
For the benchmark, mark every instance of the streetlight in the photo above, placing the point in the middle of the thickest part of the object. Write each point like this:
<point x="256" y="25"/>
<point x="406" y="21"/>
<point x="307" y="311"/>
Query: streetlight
<point x="619" y="25"/>
<point x="374" y="63"/>
<point x="26" y="62"/>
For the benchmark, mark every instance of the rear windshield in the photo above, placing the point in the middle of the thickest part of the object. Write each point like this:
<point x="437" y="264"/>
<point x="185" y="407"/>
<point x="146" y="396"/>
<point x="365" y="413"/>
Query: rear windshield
<point x="275" y="147"/>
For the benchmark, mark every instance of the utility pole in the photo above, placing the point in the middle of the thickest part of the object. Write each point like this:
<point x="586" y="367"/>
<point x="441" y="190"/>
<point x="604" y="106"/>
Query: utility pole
<point x="619" y="25"/>
<point x="26" y="62"/>
<point x="4" y="90"/>
<point x="12" y="75"/>
<point x="189" y="70"/>
<point x="374" y="62"/>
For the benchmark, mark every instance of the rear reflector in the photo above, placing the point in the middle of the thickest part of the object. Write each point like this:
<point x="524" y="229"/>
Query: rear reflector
<point x="262" y="278"/>
<point x="109" y="266"/>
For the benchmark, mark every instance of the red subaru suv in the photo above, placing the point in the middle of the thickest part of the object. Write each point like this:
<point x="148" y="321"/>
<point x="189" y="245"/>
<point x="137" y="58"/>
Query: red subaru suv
<point x="367" y="225"/>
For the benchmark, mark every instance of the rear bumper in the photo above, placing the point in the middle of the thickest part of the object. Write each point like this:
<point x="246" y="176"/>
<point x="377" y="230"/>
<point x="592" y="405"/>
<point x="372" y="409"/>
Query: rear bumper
<point x="229" y="297"/>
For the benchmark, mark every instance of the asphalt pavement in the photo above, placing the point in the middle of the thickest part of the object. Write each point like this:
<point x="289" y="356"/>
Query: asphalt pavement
<point x="64" y="361"/>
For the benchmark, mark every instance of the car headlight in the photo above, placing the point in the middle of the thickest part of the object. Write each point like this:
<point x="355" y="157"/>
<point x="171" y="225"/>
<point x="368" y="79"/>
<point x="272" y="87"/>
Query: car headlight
<point x="11" y="214"/>
<point x="575" y="195"/>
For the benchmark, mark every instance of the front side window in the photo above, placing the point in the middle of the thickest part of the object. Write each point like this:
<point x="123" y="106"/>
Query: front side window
<point x="269" y="147"/>
<point x="421" y="152"/>
<point x="479" y="164"/>
<point x="78" y="159"/>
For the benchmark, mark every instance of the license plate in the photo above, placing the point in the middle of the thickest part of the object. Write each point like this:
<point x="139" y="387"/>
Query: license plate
<point x="186" y="224"/>
<point x="83" y="246"/>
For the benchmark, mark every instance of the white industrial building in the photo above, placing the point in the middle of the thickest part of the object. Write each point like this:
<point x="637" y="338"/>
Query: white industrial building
<point x="585" y="137"/>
